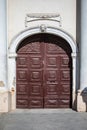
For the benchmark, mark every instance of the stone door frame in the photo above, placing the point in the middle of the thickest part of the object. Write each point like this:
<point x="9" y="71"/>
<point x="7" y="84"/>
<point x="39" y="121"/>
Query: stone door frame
<point x="12" y="56"/>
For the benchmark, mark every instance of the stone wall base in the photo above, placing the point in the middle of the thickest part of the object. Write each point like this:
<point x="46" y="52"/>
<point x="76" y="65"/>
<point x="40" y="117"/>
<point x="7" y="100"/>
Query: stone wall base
<point x="4" y="99"/>
<point x="81" y="102"/>
<point x="8" y="102"/>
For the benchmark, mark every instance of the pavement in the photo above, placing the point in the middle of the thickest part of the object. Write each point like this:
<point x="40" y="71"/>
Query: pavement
<point x="44" y="119"/>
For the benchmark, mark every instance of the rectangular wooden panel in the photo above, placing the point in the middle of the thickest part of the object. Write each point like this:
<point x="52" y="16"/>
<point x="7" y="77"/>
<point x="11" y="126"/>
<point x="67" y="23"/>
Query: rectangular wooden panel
<point x="36" y="102"/>
<point x="64" y="103"/>
<point x="22" y="103"/>
<point x="36" y="89"/>
<point x="51" y="102"/>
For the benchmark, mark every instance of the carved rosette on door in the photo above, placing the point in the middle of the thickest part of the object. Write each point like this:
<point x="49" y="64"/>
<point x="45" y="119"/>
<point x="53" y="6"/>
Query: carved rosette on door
<point x="43" y="76"/>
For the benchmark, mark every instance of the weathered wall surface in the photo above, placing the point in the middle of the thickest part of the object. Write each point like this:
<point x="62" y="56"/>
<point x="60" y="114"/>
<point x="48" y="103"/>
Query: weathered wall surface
<point x="16" y="13"/>
<point x="17" y="10"/>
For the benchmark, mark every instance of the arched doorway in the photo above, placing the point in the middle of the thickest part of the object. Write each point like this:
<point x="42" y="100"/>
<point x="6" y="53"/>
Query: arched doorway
<point x="44" y="72"/>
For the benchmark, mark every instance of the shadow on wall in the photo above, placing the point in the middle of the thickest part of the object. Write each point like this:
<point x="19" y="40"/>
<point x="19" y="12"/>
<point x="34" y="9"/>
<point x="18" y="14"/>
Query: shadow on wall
<point x="78" y="22"/>
<point x="78" y="41"/>
<point x="74" y="106"/>
<point x="84" y="96"/>
<point x="78" y="37"/>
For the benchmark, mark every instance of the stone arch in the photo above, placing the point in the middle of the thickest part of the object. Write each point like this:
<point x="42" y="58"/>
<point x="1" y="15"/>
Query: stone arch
<point x="50" y="30"/>
<point x="12" y="55"/>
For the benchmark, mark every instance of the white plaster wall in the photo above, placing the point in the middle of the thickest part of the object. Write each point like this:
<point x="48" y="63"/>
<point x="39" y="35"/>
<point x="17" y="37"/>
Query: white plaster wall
<point x="17" y="10"/>
<point x="3" y="42"/>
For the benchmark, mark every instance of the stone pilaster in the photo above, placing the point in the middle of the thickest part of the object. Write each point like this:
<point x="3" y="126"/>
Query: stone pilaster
<point x="3" y="58"/>
<point x="81" y="98"/>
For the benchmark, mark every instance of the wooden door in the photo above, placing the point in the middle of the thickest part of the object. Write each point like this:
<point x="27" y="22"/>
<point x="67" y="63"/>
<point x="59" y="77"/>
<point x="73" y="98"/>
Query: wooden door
<point x="57" y="77"/>
<point x="43" y="76"/>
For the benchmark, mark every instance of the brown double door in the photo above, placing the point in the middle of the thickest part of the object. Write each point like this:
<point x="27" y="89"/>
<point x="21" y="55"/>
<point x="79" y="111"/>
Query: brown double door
<point x="43" y="76"/>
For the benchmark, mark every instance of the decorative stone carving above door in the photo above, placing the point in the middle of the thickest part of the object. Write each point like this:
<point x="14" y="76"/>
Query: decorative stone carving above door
<point x="43" y="18"/>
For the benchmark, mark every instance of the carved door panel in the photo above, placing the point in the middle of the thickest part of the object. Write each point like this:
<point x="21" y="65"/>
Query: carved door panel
<point x="65" y="81"/>
<point x="43" y="76"/>
<point x="51" y="76"/>
<point x="30" y="69"/>
<point x="22" y="81"/>
<point x="57" y="77"/>
<point x="36" y="77"/>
